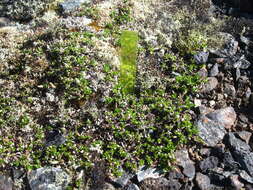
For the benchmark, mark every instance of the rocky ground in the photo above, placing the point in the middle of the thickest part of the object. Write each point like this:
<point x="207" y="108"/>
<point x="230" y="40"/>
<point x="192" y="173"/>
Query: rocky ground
<point x="64" y="125"/>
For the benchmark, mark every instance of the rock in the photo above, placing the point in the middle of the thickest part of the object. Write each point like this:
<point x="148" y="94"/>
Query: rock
<point x="225" y="116"/>
<point x="235" y="183"/>
<point x="203" y="73"/>
<point x="242" y="63"/>
<point x="209" y="163"/>
<point x="236" y="144"/>
<point x="123" y="180"/>
<point x="175" y="174"/>
<point x="48" y="178"/>
<point x="185" y="162"/>
<point x="211" y="132"/>
<point x="230" y="90"/>
<point x="203" y="181"/>
<point x="201" y="57"/>
<point x="205" y="151"/>
<point x="4" y="22"/>
<point x="244" y="175"/>
<point x="160" y="183"/>
<point x="5" y="183"/>
<point x="145" y="173"/>
<point x="108" y="186"/>
<point x="54" y="138"/>
<point x="210" y="85"/>
<point x="229" y="162"/>
<point x="70" y="6"/>
<point x="214" y="70"/>
<point x="133" y="186"/>
<point x="244" y="135"/>
<point x="23" y="10"/>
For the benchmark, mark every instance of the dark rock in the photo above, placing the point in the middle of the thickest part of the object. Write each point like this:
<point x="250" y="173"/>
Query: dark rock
<point x="211" y="132"/>
<point x="203" y="181"/>
<point x="236" y="144"/>
<point x="49" y="178"/>
<point x="230" y="90"/>
<point x="210" y="85"/>
<point x="70" y="6"/>
<point x="235" y="183"/>
<point x="16" y="173"/>
<point x="214" y="70"/>
<point x="54" y="138"/>
<point x="5" y="183"/>
<point x="229" y="162"/>
<point x="201" y="57"/>
<point x="225" y="116"/>
<point x="184" y="161"/>
<point x="244" y="135"/>
<point x="209" y="163"/>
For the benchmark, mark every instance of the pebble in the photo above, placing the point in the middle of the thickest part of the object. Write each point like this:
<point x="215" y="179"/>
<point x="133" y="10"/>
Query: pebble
<point x="5" y="183"/>
<point x="244" y="135"/>
<point x="145" y="173"/>
<point x="201" y="57"/>
<point x="230" y="90"/>
<point x="69" y="6"/>
<point x="214" y="70"/>
<point x="203" y="181"/>
<point x="209" y="163"/>
<point x="210" y="85"/>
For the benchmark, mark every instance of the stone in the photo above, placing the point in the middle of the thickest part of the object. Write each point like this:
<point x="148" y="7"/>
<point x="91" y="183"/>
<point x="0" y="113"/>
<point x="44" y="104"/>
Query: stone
<point x="123" y="180"/>
<point x="4" y="22"/>
<point x="209" y="163"/>
<point x="48" y="178"/>
<point x="203" y="73"/>
<point x="236" y="144"/>
<point x="235" y="183"/>
<point x="70" y="6"/>
<point x="242" y="63"/>
<point x="214" y="70"/>
<point x="145" y="173"/>
<point x="186" y="163"/>
<point x="201" y="57"/>
<point x="229" y="90"/>
<point x="244" y="135"/>
<point x="5" y="183"/>
<point x="210" y="85"/>
<point x="244" y="175"/>
<point x="229" y="162"/>
<point x="175" y="174"/>
<point x="54" y="137"/>
<point x="203" y="181"/>
<point x="133" y="186"/>
<point x="108" y="186"/>
<point x="211" y="132"/>
<point x="161" y="183"/>
<point x="225" y="116"/>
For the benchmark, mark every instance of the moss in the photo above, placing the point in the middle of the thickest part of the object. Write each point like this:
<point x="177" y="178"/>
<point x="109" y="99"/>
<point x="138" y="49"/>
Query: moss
<point x="128" y="55"/>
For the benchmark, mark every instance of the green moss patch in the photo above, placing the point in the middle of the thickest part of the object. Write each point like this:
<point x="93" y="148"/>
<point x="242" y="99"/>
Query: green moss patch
<point x="128" y="55"/>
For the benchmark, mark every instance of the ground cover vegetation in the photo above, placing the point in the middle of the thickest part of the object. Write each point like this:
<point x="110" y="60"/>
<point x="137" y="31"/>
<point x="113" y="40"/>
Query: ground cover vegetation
<point x="55" y="84"/>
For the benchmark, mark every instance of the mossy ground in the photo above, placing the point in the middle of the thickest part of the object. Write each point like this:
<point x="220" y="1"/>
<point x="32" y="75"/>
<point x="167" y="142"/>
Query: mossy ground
<point x="68" y="80"/>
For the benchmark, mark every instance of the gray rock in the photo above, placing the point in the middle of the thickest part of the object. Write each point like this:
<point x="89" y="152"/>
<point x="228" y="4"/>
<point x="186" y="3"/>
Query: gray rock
<point x="229" y="162"/>
<point x="133" y="186"/>
<point x="145" y="173"/>
<point x="210" y="85"/>
<point x="161" y="183"/>
<point x="211" y="132"/>
<point x="244" y="135"/>
<point x="209" y="163"/>
<point x="123" y="180"/>
<point x="242" y="63"/>
<point x="244" y="175"/>
<point x="5" y="183"/>
<point x="185" y="162"/>
<point x="236" y="144"/>
<point x="4" y="22"/>
<point x="69" y="6"/>
<point x="202" y="73"/>
<point x="54" y="138"/>
<point x="230" y="90"/>
<point x="203" y="181"/>
<point x="23" y="10"/>
<point x="225" y="116"/>
<point x="201" y="57"/>
<point x="48" y="178"/>
<point x="214" y="70"/>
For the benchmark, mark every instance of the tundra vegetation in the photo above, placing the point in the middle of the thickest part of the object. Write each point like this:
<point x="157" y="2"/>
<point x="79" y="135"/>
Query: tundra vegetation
<point x="103" y="111"/>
